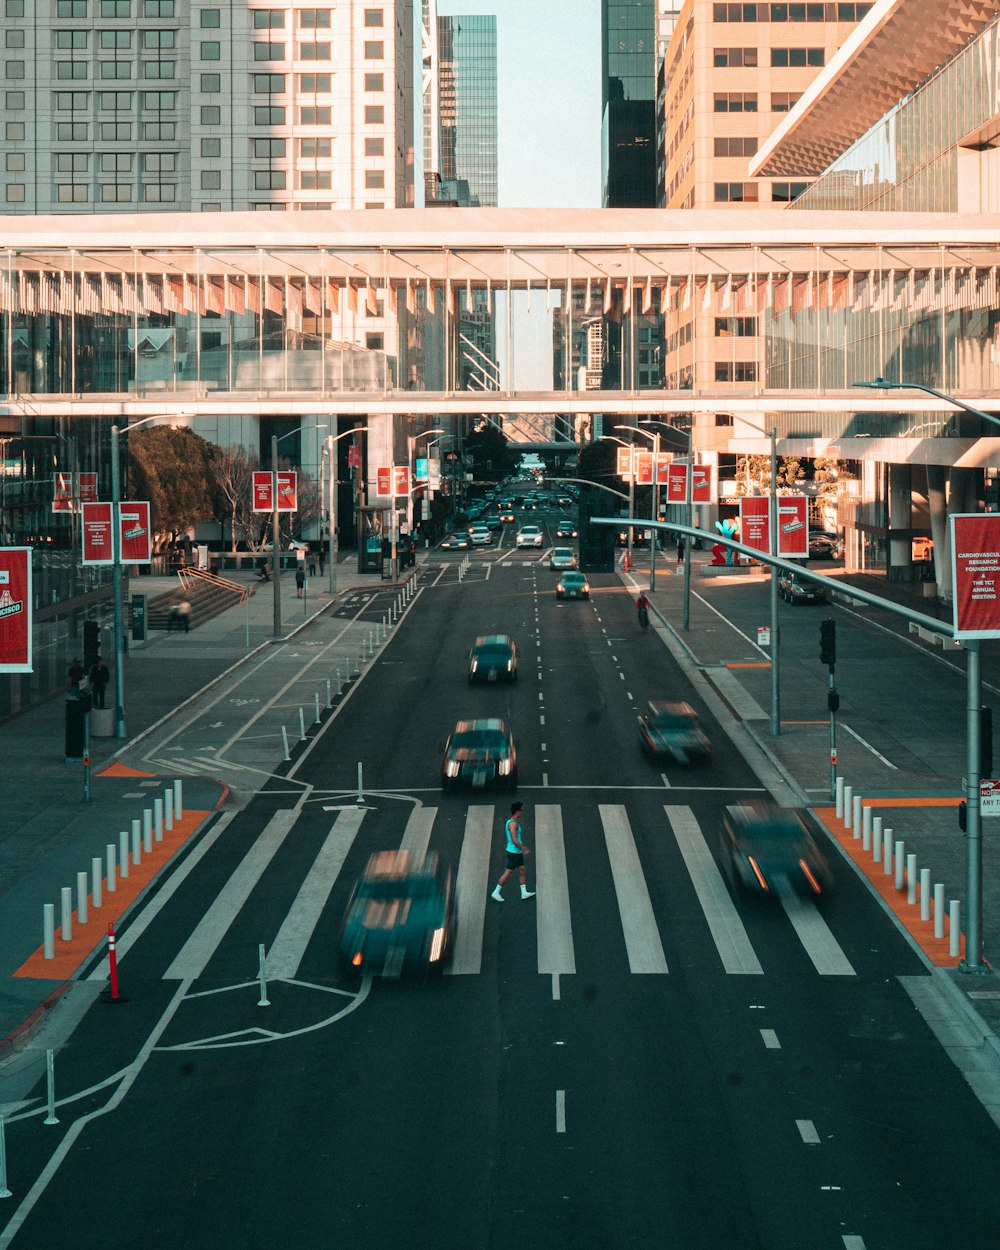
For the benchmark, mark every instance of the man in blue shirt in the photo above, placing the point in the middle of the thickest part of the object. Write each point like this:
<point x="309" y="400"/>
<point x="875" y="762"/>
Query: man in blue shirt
<point x="516" y="851"/>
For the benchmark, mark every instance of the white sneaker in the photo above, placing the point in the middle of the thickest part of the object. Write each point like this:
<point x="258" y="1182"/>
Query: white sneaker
<point x="526" y="893"/>
<point x="497" y="895"/>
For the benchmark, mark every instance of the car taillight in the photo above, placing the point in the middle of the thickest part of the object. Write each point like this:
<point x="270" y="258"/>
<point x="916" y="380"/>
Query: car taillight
<point x="356" y="959"/>
<point x="813" y="883"/>
<point x="761" y="880"/>
<point x="503" y="767"/>
<point x="437" y="945"/>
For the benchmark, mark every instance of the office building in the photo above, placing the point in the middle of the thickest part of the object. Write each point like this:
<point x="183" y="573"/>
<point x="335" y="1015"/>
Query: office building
<point x="467" y="99"/>
<point x="628" y="105"/>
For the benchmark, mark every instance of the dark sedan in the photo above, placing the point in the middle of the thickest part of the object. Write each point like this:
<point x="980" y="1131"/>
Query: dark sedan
<point x="493" y="658"/>
<point x="479" y="753"/>
<point x="823" y="545"/>
<point x="794" y="589"/>
<point x="672" y="731"/>
<point x="768" y="846"/>
<point x="565" y="528"/>
<point x="401" y="916"/>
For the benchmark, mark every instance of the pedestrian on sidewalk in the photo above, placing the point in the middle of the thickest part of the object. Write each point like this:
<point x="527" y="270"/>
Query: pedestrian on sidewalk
<point x="184" y="615"/>
<point x="516" y="851"/>
<point x="322" y="558"/>
<point x="99" y="678"/>
<point x="74" y="677"/>
<point x="300" y="581"/>
<point x="680" y="548"/>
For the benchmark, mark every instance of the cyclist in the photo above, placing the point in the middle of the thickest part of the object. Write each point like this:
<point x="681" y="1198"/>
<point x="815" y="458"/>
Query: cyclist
<point x="642" y="610"/>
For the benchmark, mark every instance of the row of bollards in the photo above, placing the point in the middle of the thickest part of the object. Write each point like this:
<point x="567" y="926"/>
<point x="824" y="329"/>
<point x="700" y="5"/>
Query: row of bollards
<point x="104" y="876"/>
<point x="898" y="863"/>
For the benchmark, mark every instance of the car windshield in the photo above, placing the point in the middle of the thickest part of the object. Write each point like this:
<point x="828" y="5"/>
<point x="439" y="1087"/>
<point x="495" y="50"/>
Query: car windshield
<point x="479" y="740"/>
<point x="529" y="529"/>
<point x="573" y="579"/>
<point x="493" y="650"/>
<point x="671" y="720"/>
<point x="385" y="889"/>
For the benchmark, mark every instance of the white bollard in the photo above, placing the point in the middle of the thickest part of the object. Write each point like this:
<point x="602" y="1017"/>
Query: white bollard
<point x="82" y="894"/>
<point x="925" y="894"/>
<point x="866" y="829"/>
<point x="856" y="818"/>
<point x="329" y="694"/>
<point x="371" y="642"/>
<point x="49" y="930"/>
<point x="111" y="867"/>
<point x="316" y="698"/>
<point x="96" y="882"/>
<point x="840" y="798"/>
<point x="361" y="792"/>
<point x="887" y="852"/>
<point x="147" y="831"/>
<point x="954" y="932"/>
<point x="284" y="739"/>
<point x="168" y="809"/>
<point x="136" y="843"/>
<point x="66" y="913"/>
<point x="877" y="840"/>
<point x="263" y="1001"/>
<point x="302" y="725"/>
<point x="911" y="879"/>
<point x="123" y="854"/>
<point x="178" y="799"/>
<point x="848" y="806"/>
<point x="938" y="909"/>
<point x="900" y="866"/>
<point x="50" y="1087"/>
<point x="158" y="819"/>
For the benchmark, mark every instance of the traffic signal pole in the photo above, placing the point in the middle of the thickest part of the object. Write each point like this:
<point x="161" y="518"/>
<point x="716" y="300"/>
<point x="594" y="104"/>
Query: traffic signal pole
<point x="973" y="961"/>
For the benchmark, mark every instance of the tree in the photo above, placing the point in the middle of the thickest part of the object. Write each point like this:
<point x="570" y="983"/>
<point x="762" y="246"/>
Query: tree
<point x="754" y="474"/>
<point x="235" y="468"/>
<point x="491" y="455"/>
<point x="174" y="469"/>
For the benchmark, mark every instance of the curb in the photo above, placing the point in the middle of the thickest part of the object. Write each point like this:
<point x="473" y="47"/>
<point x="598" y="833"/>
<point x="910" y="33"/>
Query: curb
<point x="17" y="1038"/>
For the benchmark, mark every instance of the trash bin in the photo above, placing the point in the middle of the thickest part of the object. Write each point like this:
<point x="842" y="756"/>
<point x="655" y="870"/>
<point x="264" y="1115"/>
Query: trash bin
<point x="76" y="726"/>
<point x="102" y="722"/>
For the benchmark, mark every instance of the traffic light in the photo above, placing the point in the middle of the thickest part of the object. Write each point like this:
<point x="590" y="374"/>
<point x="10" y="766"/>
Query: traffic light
<point x="963" y="816"/>
<point x="828" y="642"/>
<point x="986" y="742"/>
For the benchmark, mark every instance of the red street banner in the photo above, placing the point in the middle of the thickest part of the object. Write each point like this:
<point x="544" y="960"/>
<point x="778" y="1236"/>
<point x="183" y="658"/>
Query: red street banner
<point x="88" y="487"/>
<point x="754" y="522"/>
<point x="263" y="490"/>
<point x="383" y="480"/>
<point x="975" y="574"/>
<point x="263" y="494"/>
<point x="96" y="530"/>
<point x="701" y="491"/>
<point x="663" y="465"/>
<point x="62" y="497"/>
<point x="288" y="490"/>
<point x="625" y="462"/>
<point x="15" y="609"/>
<point x="401" y="480"/>
<point x="643" y="468"/>
<point x="793" y="532"/>
<point x="136" y="539"/>
<point x="353" y="456"/>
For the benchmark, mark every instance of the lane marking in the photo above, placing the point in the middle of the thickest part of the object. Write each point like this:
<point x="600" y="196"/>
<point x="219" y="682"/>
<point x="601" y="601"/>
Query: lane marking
<point x="560" y="1111"/>
<point x="554" y="922"/>
<point x="853" y="1242"/>
<point x="807" y="1131"/>
<point x="635" y="909"/>
<point x="877" y="754"/>
<point x="770" y="1039"/>
<point x="472" y="890"/>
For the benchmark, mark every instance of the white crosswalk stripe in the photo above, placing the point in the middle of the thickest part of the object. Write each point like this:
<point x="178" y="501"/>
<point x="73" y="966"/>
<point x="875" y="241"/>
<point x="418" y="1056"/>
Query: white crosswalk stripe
<point x="417" y="837"/>
<point x="814" y="934"/>
<point x="642" y="937"/>
<point x="555" y="930"/>
<point x="471" y="888"/>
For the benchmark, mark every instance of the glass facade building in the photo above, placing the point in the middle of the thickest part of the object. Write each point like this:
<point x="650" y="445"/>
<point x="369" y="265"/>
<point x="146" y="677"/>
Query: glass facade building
<point x="628" y="122"/>
<point x="467" y="68"/>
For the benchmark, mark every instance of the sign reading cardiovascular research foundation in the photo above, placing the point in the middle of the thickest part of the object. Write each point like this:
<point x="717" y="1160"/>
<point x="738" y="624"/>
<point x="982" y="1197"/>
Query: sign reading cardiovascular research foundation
<point x="263" y="490"/>
<point x="975" y="574"/>
<point x="793" y="529"/>
<point x="136" y="535"/>
<point x="15" y="609"/>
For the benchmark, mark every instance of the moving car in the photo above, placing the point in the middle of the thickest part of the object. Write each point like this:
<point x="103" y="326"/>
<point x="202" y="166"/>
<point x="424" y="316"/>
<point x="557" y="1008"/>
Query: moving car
<point x="824" y="546"/>
<point x="456" y="542"/>
<point x="480" y="535"/>
<point x="563" y="501"/>
<point x="479" y="753"/>
<point x="565" y="528"/>
<point x="672" y="731"/>
<point x="767" y="846"/>
<point x="493" y="658"/>
<point x="795" y="590"/>
<point x="562" y="558"/>
<point x="401" y="916"/>
<point x="507" y="513"/>
<point x="573" y="586"/>
<point x="529" y="536"/>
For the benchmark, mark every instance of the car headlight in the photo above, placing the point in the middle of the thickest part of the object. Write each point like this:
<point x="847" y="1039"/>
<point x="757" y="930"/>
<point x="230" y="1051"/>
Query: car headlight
<point x="503" y="767"/>
<point x="474" y="666"/>
<point x="510" y="666"/>
<point x="451" y="768"/>
<point x="437" y="945"/>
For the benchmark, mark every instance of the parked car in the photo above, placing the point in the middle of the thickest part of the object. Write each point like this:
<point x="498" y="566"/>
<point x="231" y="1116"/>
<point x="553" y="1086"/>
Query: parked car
<point x="401" y="916"/>
<point x="456" y="542"/>
<point x="565" y="528"/>
<point x="823" y="545"/>
<point x="767" y="845"/>
<point x="479" y="753"/>
<point x="562" y="558"/>
<point x="573" y="586"/>
<point x="794" y="589"/>
<point x="529" y="536"/>
<point x="672" y="731"/>
<point x="493" y="658"/>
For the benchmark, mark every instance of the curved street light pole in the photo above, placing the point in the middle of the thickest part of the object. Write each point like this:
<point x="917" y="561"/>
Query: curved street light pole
<point x="334" y="532"/>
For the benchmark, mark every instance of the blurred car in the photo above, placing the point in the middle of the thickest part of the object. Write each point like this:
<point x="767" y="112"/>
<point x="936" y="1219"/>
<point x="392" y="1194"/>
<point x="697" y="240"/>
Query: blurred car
<point x="529" y="536"/>
<point x="493" y="658"/>
<point x="573" y="586"/>
<point x="507" y="513"/>
<point x="480" y="535"/>
<point x="479" y="753"/>
<point x="456" y="542"/>
<point x="823" y="545"/>
<point x="767" y="845"/>
<point x="565" y="528"/>
<point x="563" y="501"/>
<point x="493" y="521"/>
<point x="794" y="590"/>
<point x="672" y="731"/>
<point x="401" y="916"/>
<point x="562" y="558"/>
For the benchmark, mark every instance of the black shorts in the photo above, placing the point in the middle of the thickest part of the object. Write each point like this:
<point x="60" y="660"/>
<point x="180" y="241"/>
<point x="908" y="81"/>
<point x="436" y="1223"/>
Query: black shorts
<point x="515" y="859"/>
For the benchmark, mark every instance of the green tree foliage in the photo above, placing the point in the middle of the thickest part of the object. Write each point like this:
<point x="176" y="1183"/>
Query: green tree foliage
<point x="174" y="469"/>
<point x="491" y="455"/>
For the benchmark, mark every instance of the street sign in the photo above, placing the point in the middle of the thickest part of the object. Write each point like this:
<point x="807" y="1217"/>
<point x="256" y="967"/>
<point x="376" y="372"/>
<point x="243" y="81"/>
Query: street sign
<point x="763" y="635"/>
<point x="975" y="571"/>
<point x="95" y="528"/>
<point x="15" y="610"/>
<point x="137" y="607"/>
<point x="989" y="798"/>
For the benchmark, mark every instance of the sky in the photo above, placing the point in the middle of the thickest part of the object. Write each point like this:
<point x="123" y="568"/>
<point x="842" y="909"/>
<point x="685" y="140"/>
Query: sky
<point x="549" y="72"/>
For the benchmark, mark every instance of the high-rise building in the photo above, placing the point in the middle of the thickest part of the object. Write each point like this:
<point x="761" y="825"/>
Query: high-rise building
<point x="160" y="105"/>
<point x="628" y="121"/>
<point x="467" y="95"/>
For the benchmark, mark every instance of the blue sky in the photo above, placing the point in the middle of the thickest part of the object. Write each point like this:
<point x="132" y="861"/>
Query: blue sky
<point x="549" y="71"/>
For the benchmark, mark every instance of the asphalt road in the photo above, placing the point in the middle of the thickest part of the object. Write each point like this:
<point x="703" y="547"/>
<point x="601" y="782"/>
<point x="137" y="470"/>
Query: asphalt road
<point x="632" y="1058"/>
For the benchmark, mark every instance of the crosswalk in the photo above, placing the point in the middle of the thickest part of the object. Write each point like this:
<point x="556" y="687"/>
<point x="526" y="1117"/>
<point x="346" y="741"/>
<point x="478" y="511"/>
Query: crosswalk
<point x="638" y="924"/>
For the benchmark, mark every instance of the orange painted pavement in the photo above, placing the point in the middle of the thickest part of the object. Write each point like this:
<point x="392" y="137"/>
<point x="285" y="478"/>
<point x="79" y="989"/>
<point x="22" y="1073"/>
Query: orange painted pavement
<point x="751" y="664"/>
<point x="922" y="931"/>
<point x="122" y="770"/>
<point x="87" y="937"/>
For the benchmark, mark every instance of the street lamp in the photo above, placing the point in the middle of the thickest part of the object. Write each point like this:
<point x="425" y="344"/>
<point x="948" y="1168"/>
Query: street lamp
<point x="655" y="489"/>
<point x="334" y="535"/>
<point x="689" y="514"/>
<point x="631" y="486"/>
<point x="411" y="443"/>
<point x="973" y="961"/>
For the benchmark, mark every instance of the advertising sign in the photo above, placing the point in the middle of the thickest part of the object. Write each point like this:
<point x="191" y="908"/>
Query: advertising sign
<point x="62" y="495"/>
<point x="421" y="470"/>
<point x="643" y="468"/>
<point x="975" y="573"/>
<point x="664" y="463"/>
<point x="701" y="490"/>
<point x="793" y="531"/>
<point x="383" y="480"/>
<point x="288" y="490"/>
<point x="263" y="490"/>
<point x="754" y="522"/>
<point x="88" y="487"/>
<point x="96" y="530"/>
<point x="15" y="609"/>
<point x="263" y="495"/>
<point x="401" y="480"/>
<point x="136" y="537"/>
<point x="624" y="462"/>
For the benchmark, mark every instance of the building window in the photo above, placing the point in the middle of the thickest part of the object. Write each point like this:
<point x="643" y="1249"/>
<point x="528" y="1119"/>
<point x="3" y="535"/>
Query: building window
<point x="158" y="69"/>
<point x="374" y="179"/>
<point x="374" y="50"/>
<point x="72" y="70"/>
<point x="115" y="101"/>
<point x="211" y="83"/>
<point x="314" y="116"/>
<point x="15" y="8"/>
<point x="15" y="38"/>
<point x="160" y="193"/>
<point x="211" y="19"/>
<point x="116" y="8"/>
<point x="211" y="50"/>
<point x="159" y="100"/>
<point x="116" y="69"/>
<point x="71" y="192"/>
<point x="76" y="39"/>
<point x="374" y="115"/>
<point x="736" y="193"/>
<point x="268" y="19"/>
<point x="785" y="58"/>
<point x="15" y="193"/>
<point x="265" y="149"/>
<point x="374" y="82"/>
<point x="315" y="147"/>
<point x="72" y="101"/>
<point x="159" y="162"/>
<point x="158" y="8"/>
<point x="784" y="101"/>
<point x="269" y="52"/>
<point x="314" y="19"/>
<point x="735" y="102"/>
<point x="314" y="51"/>
<point x="269" y="84"/>
<point x="375" y="342"/>
<point x="109" y="38"/>
<point x="735" y="57"/>
<point x="735" y="327"/>
<point x="735" y="371"/>
<point x="15" y="162"/>
<point x="269" y="179"/>
<point x="211" y="180"/>
<point x="211" y="148"/>
<point x="116" y="192"/>
<point x="373" y="17"/>
<point x="116" y="132"/>
<point x="375" y="147"/>
<point x="15" y="101"/>
<point x="72" y="162"/>
<point x="268" y="115"/>
<point x="314" y="84"/>
<point x="156" y="39"/>
<point x="159" y="132"/>
<point x="785" y="192"/>
<point x="116" y="162"/>
<point x="71" y="8"/>
<point x="736" y="145"/>
<point x="314" y="180"/>
<point x="14" y="69"/>
<point x="14" y="132"/>
<point x="211" y="115"/>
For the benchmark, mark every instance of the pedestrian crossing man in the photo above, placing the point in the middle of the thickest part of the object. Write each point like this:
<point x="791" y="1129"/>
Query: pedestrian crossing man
<point x="516" y="851"/>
